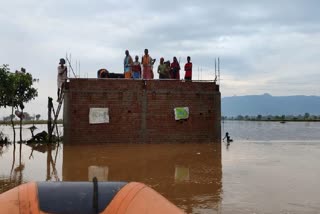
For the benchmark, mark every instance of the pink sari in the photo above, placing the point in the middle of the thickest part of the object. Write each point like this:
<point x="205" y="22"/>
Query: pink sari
<point x="147" y="72"/>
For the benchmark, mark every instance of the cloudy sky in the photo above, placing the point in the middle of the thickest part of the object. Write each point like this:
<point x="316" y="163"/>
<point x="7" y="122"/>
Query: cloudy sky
<point x="265" y="46"/>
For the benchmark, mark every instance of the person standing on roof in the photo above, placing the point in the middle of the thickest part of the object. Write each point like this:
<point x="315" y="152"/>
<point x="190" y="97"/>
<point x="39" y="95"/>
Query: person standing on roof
<point x="127" y="65"/>
<point x="147" y="63"/>
<point x="162" y="70"/>
<point x="168" y="69"/>
<point x="136" y="69"/>
<point x="188" y="69"/>
<point x="62" y="77"/>
<point x="175" y="69"/>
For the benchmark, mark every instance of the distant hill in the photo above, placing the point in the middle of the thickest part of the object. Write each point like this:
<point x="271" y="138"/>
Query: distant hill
<point x="267" y="104"/>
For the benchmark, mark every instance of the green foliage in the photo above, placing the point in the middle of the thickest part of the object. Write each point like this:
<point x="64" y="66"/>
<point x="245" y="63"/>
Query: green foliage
<point x="38" y="116"/>
<point x="15" y="88"/>
<point x="240" y="117"/>
<point x="4" y="83"/>
<point x="259" y="117"/>
<point x="305" y="117"/>
<point x="9" y="118"/>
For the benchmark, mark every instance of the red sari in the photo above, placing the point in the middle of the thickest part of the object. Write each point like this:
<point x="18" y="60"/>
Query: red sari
<point x="147" y="67"/>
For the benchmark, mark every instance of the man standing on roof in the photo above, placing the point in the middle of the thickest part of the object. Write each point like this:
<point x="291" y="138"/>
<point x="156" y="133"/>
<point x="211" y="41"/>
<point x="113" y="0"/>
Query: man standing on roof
<point x="62" y="77"/>
<point x="188" y="69"/>
<point x="127" y="65"/>
<point x="136" y="69"/>
<point x="147" y="63"/>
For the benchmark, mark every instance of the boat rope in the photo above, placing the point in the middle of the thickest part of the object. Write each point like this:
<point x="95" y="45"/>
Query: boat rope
<point x="95" y="195"/>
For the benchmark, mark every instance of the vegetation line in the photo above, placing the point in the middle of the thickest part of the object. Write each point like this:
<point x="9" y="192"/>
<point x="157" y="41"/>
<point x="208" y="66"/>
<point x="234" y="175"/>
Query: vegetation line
<point x="284" y="118"/>
<point x="24" y="122"/>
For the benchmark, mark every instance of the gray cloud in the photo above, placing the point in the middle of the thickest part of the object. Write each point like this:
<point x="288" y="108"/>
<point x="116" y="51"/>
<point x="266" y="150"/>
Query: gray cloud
<point x="264" y="46"/>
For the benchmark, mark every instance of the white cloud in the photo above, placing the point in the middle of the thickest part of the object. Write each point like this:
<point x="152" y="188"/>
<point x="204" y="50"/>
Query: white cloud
<point x="264" y="46"/>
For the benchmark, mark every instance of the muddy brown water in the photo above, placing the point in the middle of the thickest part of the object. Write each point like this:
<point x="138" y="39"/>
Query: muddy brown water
<point x="269" y="168"/>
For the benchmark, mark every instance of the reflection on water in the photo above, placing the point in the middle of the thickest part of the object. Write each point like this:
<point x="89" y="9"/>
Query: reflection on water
<point x="187" y="174"/>
<point x="268" y="168"/>
<point x="22" y="163"/>
<point x="271" y="131"/>
<point x="271" y="167"/>
<point x="271" y="177"/>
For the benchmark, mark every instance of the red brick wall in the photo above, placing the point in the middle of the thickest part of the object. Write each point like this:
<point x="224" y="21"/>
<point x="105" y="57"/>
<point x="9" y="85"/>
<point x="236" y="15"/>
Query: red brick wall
<point x="142" y="111"/>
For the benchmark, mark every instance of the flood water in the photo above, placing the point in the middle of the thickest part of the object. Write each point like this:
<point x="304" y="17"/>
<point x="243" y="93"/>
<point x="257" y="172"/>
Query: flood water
<point x="269" y="168"/>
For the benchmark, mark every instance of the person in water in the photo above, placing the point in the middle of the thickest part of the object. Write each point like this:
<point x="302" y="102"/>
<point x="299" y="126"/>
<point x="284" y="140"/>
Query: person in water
<point x="227" y="136"/>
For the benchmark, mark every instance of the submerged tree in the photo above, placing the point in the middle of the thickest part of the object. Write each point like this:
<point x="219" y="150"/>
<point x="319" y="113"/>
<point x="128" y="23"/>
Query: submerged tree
<point x="4" y="82"/>
<point x="16" y="90"/>
<point x="6" y="92"/>
<point x="38" y="116"/>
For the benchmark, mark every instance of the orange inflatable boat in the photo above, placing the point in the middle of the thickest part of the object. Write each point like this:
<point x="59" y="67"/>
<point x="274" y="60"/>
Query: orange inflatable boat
<point x="84" y="198"/>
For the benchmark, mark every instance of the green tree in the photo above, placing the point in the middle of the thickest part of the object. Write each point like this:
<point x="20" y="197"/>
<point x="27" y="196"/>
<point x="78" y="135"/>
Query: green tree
<point x="239" y="117"/>
<point x="4" y="83"/>
<point x="27" y="116"/>
<point x="9" y="118"/>
<point x="12" y="116"/>
<point x="306" y="116"/>
<point x="16" y="90"/>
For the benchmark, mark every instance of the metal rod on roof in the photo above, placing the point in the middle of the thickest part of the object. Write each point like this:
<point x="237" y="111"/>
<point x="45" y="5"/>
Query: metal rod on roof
<point x="70" y="66"/>
<point x="215" y="67"/>
<point x="179" y="61"/>
<point x="67" y="65"/>
<point x="219" y="69"/>
<point x="198" y="72"/>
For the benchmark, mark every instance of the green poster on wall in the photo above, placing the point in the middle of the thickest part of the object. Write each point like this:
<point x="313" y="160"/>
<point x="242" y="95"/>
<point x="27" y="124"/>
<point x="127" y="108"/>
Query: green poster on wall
<point x="181" y="113"/>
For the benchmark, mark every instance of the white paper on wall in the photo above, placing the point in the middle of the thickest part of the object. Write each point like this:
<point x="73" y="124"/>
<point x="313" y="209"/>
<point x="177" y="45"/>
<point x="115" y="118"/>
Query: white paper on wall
<point x="100" y="172"/>
<point x="98" y="115"/>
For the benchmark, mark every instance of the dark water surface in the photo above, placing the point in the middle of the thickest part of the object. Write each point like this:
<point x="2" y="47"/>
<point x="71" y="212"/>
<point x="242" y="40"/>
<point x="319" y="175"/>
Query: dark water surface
<point x="269" y="168"/>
